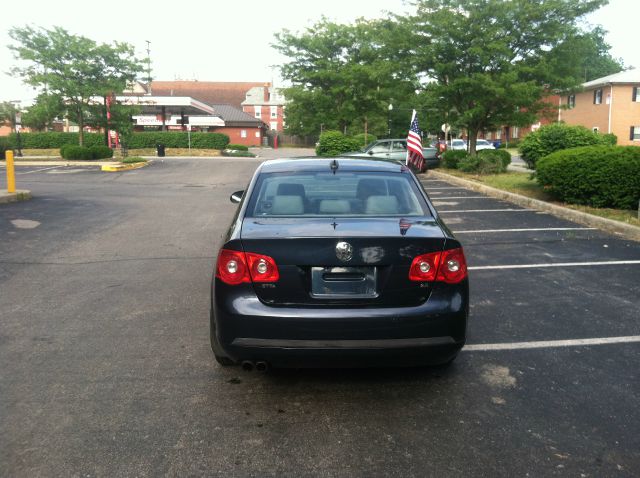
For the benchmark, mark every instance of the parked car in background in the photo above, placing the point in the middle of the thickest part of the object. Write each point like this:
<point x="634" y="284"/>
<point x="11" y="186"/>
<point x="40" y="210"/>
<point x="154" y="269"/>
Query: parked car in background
<point x="396" y="149"/>
<point x="459" y="144"/>
<point x="484" y="144"/>
<point x="337" y="262"/>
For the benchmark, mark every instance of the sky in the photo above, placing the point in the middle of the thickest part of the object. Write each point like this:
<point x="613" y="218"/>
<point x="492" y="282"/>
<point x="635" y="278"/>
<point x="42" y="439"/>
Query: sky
<point x="226" y="41"/>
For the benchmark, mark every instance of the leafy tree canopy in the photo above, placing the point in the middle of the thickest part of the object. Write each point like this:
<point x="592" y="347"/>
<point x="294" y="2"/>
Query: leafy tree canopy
<point x="493" y="60"/>
<point x="341" y="76"/>
<point x="73" y="67"/>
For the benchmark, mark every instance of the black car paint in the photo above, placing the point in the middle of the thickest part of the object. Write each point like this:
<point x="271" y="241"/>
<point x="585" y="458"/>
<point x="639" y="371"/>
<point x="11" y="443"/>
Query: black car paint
<point x="248" y="323"/>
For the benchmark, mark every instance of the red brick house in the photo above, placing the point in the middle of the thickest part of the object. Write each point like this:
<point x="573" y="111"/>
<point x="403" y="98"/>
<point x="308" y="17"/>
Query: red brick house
<point x="267" y="104"/>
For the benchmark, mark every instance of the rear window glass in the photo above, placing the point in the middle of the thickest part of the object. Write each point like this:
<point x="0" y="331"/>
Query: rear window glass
<point x="344" y="194"/>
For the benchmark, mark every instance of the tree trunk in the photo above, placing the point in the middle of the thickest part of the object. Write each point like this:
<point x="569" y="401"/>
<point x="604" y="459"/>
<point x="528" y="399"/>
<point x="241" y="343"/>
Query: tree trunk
<point x="473" y="138"/>
<point x="106" y="122"/>
<point x="80" y="126"/>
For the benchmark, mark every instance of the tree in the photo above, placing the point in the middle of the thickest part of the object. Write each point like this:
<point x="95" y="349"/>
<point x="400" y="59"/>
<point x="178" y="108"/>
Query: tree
<point x="341" y="77"/>
<point x="493" y="61"/>
<point x="8" y="113"/>
<point x="72" y="67"/>
<point x="41" y="114"/>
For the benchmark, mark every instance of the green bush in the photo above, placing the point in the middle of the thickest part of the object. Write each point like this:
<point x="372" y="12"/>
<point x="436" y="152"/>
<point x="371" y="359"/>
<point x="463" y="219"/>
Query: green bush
<point x="237" y="154"/>
<point x="486" y="162"/>
<point x="598" y="176"/>
<point x="171" y="139"/>
<point x="238" y="147"/>
<point x="503" y="155"/>
<point x="101" y="152"/>
<point x="362" y="142"/>
<point x="178" y="139"/>
<point x="451" y="158"/>
<point x="52" y="140"/>
<point x="558" y="136"/>
<point x="76" y="152"/>
<point x="4" y="146"/>
<point x="334" y="143"/>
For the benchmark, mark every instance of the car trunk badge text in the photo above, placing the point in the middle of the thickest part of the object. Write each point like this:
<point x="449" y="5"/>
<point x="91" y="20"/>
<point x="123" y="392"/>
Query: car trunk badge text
<point x="344" y="251"/>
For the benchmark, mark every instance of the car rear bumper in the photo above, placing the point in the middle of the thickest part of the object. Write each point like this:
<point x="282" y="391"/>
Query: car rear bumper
<point x="430" y="333"/>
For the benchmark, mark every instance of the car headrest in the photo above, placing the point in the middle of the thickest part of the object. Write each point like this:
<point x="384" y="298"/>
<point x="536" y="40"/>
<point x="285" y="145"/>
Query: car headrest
<point x="382" y="205"/>
<point x="287" y="205"/>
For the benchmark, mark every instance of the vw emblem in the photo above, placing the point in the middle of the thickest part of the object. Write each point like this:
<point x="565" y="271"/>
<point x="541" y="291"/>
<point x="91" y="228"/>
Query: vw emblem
<point x="344" y="251"/>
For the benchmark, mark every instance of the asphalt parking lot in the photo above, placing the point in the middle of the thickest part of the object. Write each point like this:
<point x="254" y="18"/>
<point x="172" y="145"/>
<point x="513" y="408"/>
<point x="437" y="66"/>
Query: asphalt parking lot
<point x="107" y="370"/>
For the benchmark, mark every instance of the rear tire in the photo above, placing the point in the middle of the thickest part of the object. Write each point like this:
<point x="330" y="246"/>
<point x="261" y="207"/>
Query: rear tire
<point x="218" y="352"/>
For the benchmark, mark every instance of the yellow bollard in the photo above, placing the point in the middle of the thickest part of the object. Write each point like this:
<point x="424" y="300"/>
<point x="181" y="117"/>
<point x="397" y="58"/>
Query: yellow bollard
<point x="11" y="173"/>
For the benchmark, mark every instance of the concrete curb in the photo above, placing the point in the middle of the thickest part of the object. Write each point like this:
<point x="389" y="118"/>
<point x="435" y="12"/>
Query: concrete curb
<point x="19" y="195"/>
<point x="56" y="162"/>
<point x="117" y="167"/>
<point x="626" y="230"/>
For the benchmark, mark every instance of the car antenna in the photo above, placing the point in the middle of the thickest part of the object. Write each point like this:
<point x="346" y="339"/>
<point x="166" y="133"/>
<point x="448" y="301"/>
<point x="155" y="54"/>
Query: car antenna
<point x="334" y="166"/>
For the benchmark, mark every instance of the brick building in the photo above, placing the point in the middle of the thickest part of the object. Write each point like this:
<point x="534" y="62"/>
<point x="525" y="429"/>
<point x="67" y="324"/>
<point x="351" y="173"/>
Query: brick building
<point x="610" y="104"/>
<point x="267" y="104"/>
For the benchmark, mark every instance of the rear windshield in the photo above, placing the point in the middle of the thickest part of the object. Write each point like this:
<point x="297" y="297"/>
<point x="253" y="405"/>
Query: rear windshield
<point x="355" y="193"/>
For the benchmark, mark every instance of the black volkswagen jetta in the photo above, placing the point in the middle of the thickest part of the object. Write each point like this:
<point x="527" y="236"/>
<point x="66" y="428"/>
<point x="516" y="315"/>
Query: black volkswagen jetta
<point x="337" y="262"/>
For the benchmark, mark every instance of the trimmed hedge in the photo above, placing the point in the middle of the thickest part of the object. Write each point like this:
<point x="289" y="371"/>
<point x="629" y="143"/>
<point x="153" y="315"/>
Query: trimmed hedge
<point x="237" y="147"/>
<point x="178" y="139"/>
<point x="334" y="143"/>
<point x="171" y="139"/>
<point x="486" y="162"/>
<point x="558" y="136"/>
<point x="451" y="158"/>
<point x="361" y="141"/>
<point x="73" y="151"/>
<point x="598" y="176"/>
<point x="237" y="154"/>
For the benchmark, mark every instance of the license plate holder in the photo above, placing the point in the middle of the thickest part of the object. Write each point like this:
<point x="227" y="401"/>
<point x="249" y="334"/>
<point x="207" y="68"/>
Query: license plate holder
<point x="343" y="282"/>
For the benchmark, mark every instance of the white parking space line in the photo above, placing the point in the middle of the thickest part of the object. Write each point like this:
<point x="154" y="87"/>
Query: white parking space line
<point x="484" y="210"/>
<point x="533" y="229"/>
<point x="37" y="170"/>
<point x="465" y="197"/>
<point x="559" y="264"/>
<point x="551" y="343"/>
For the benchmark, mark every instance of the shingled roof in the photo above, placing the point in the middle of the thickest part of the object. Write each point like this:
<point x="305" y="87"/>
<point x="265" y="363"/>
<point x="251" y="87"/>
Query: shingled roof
<point x="232" y="116"/>
<point x="211" y="92"/>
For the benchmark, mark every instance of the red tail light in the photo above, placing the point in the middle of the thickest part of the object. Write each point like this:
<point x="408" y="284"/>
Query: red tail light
<point x="262" y="268"/>
<point x="425" y="267"/>
<point x="235" y="267"/>
<point x="453" y="266"/>
<point x="447" y="266"/>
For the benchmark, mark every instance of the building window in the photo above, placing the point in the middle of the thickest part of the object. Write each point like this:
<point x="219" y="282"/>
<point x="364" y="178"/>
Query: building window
<point x="273" y="125"/>
<point x="635" y="133"/>
<point x="595" y="129"/>
<point x="636" y="94"/>
<point x="274" y="111"/>
<point x="257" y="134"/>
<point x="597" y="96"/>
<point x="515" y="132"/>
<point x="258" y="110"/>
<point x="243" y="133"/>
<point x="571" y="101"/>
<point x="499" y="134"/>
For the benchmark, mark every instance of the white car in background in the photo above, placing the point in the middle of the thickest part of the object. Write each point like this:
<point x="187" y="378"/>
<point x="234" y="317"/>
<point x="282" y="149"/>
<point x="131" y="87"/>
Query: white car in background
<point x="458" y="144"/>
<point x="484" y="144"/>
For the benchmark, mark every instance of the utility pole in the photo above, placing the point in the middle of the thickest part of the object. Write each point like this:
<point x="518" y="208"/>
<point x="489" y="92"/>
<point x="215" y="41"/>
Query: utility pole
<point x="149" y="66"/>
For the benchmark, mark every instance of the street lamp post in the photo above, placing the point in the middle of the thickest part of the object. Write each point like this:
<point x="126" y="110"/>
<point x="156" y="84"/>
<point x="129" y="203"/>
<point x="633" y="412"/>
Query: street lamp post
<point x="389" y="110"/>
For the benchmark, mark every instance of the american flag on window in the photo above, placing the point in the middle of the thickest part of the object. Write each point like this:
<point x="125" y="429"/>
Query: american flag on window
<point x="414" y="144"/>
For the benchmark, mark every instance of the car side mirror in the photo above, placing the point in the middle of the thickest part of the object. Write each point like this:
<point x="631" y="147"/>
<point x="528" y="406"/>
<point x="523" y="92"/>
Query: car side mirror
<point x="370" y="152"/>
<point x="236" y="197"/>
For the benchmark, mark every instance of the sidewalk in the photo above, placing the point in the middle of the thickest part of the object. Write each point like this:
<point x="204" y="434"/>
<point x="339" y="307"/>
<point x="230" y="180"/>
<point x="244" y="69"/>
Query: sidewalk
<point x="19" y="195"/>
